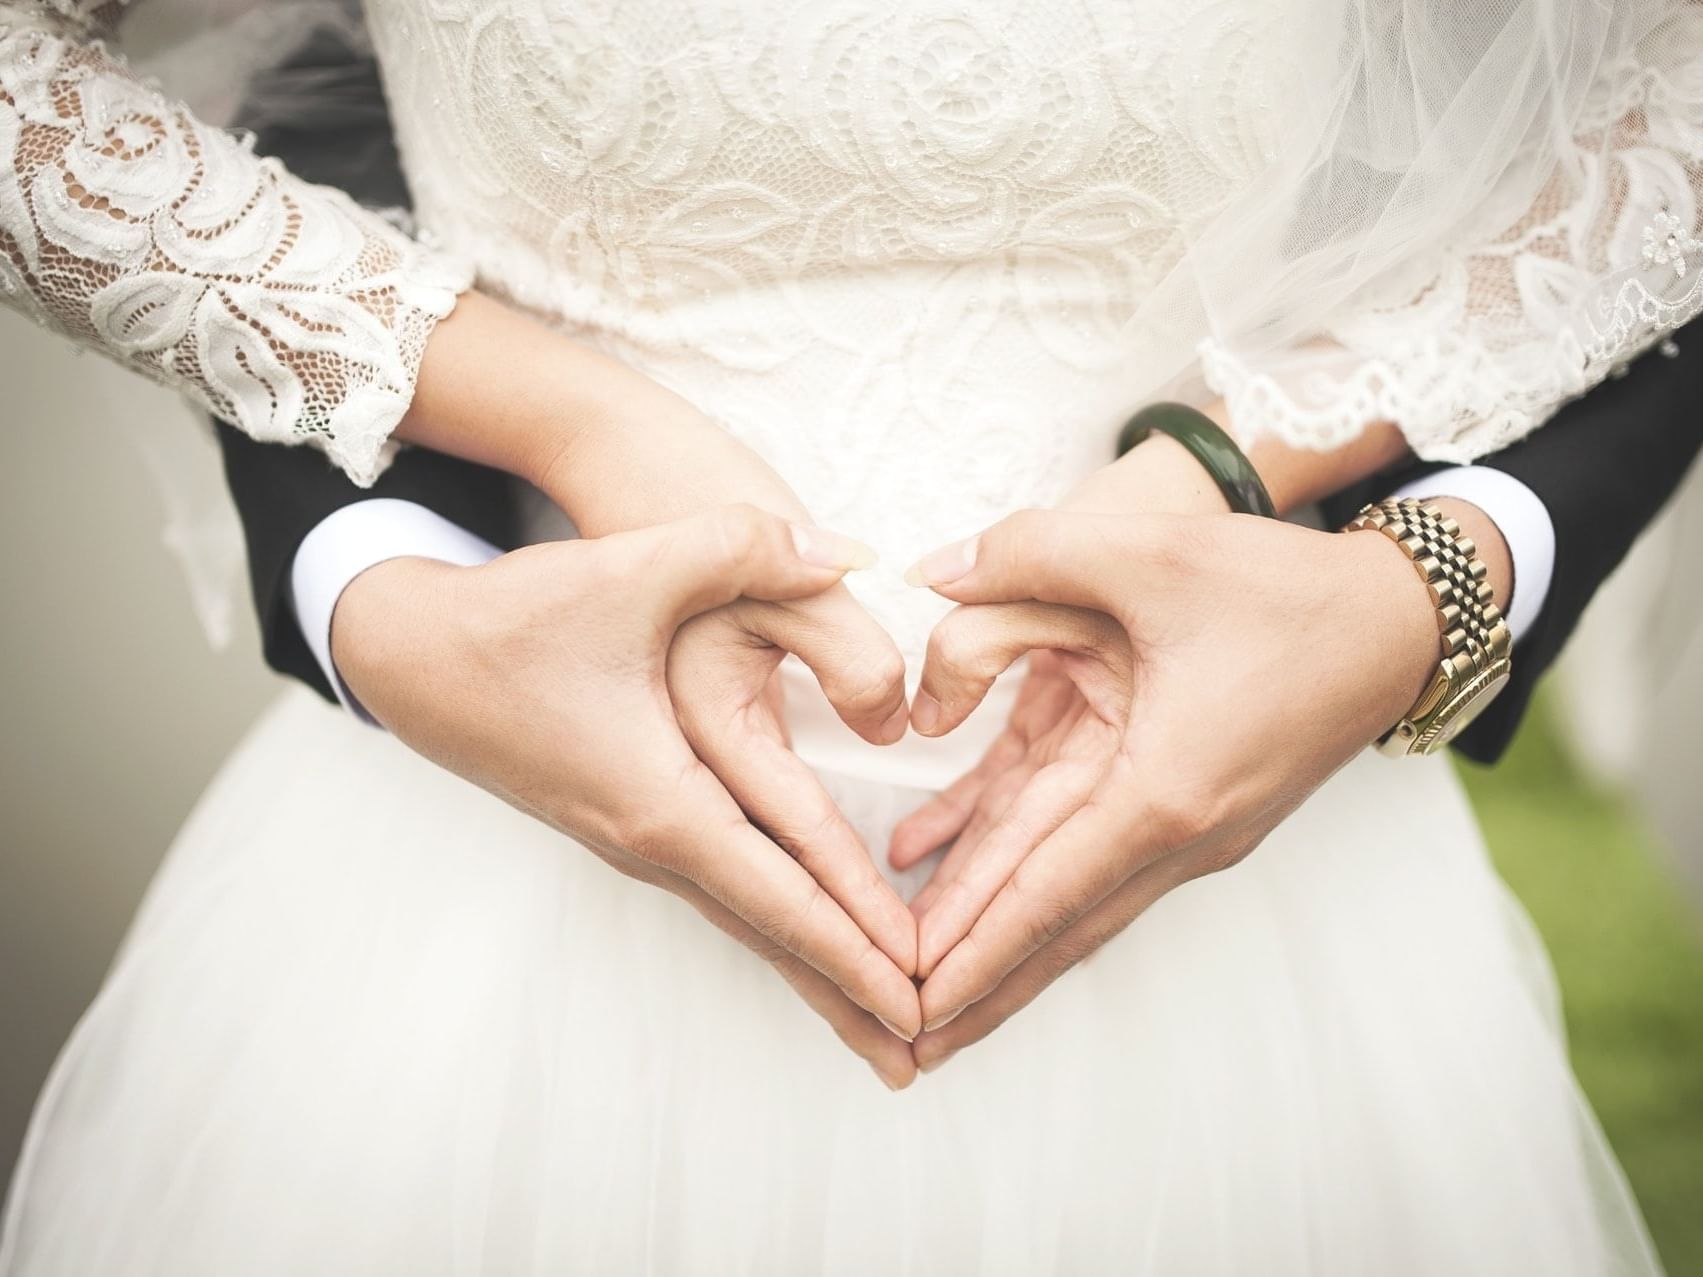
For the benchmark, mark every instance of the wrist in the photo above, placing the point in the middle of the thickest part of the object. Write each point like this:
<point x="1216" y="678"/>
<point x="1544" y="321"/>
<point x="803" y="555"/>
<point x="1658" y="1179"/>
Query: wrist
<point x="1492" y="546"/>
<point x="1397" y="633"/>
<point x="492" y="389"/>
<point x="499" y="388"/>
<point x="1296" y="477"/>
<point x="1157" y="476"/>
<point x="1461" y="644"/>
<point x="611" y="447"/>
<point x="374" y="624"/>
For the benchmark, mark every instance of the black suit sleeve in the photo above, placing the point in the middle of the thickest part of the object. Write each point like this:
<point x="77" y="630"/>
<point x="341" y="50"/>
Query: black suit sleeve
<point x="338" y="134"/>
<point x="1603" y="466"/>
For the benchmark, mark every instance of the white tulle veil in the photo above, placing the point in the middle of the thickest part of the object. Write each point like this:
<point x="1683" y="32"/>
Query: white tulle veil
<point x="1455" y="225"/>
<point x="209" y="52"/>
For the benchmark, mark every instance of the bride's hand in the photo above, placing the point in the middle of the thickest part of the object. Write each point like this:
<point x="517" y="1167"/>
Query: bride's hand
<point x="546" y="683"/>
<point x="1256" y="658"/>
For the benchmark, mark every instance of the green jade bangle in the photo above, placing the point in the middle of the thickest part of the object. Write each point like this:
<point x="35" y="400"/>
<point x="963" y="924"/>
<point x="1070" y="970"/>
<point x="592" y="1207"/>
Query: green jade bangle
<point x="1216" y="451"/>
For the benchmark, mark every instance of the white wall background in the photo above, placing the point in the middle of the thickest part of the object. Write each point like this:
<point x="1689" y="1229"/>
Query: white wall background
<point x="114" y="711"/>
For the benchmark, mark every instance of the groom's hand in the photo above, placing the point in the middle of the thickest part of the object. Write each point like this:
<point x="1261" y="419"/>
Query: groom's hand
<point x="542" y="676"/>
<point x="1245" y="660"/>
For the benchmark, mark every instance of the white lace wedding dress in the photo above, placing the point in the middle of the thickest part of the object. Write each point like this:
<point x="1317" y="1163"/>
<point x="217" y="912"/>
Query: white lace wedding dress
<point x="371" y="1021"/>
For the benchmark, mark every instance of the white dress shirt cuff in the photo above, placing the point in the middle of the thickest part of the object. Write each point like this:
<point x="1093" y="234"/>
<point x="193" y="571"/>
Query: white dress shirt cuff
<point x="1522" y="518"/>
<point x="349" y="541"/>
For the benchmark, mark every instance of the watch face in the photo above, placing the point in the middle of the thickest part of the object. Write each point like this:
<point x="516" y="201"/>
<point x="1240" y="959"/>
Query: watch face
<point x="1456" y="717"/>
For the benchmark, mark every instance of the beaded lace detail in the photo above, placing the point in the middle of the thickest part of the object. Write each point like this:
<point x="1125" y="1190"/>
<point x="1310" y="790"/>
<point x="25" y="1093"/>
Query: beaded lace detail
<point x="140" y="232"/>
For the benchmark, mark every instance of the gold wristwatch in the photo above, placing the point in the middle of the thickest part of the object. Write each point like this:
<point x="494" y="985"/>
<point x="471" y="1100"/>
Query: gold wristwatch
<point x="1475" y="638"/>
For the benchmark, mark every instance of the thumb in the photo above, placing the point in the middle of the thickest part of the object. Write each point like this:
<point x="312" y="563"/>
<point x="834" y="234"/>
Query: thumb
<point x="1044" y="556"/>
<point x="694" y="564"/>
<point x="855" y="661"/>
<point x="972" y="646"/>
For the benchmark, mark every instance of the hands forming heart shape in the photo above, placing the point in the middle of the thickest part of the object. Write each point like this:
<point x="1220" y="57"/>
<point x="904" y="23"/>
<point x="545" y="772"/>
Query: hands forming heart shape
<point x="620" y="688"/>
<point x="1152" y="742"/>
<point x="1197" y="675"/>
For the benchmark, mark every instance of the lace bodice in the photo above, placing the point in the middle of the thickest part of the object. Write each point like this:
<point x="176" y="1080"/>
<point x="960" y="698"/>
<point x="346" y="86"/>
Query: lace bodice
<point x="627" y="166"/>
<point x="893" y="247"/>
<point x="904" y="249"/>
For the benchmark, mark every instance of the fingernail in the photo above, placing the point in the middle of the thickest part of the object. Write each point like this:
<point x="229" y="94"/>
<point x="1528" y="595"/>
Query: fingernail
<point x="932" y="1065"/>
<point x="895" y="1030"/>
<point x="945" y="565"/>
<point x="941" y="1021"/>
<point x="894" y="728"/>
<point x="925" y="714"/>
<point x="886" y="1081"/>
<point x="826" y="549"/>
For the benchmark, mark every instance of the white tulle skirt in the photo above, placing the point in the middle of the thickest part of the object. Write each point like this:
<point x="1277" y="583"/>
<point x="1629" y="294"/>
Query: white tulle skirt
<point x="371" y="1021"/>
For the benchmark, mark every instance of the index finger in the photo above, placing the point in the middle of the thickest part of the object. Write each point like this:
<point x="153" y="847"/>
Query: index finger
<point x="863" y="1033"/>
<point x="855" y="661"/>
<point x="744" y="870"/>
<point x="786" y="801"/>
<point x="1084" y="860"/>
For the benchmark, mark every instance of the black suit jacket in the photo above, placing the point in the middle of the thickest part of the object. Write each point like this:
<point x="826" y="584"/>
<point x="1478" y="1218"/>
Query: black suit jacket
<point x="1604" y="466"/>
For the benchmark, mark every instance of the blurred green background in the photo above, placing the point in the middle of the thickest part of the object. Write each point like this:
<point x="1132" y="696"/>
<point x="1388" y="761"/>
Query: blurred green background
<point x="1627" y="945"/>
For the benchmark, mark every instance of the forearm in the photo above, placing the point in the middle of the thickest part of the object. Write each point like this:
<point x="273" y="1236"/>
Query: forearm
<point x="1159" y="476"/>
<point x="611" y="447"/>
<point x="215" y="296"/>
<point x="1297" y="477"/>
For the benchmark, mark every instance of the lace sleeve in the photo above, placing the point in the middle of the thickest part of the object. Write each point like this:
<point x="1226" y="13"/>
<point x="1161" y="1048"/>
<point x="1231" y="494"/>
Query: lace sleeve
<point x="140" y="232"/>
<point x="1477" y="342"/>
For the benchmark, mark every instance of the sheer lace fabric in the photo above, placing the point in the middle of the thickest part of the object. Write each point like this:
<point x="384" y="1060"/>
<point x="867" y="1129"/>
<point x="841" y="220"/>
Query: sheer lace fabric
<point x="142" y="233"/>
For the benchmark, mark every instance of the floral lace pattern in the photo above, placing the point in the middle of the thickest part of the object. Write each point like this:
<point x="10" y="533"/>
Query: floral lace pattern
<point x="138" y="231"/>
<point x="892" y="246"/>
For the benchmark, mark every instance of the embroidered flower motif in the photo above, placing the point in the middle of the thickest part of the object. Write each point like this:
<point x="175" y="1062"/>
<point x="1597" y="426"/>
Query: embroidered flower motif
<point x="953" y="126"/>
<point x="124" y="221"/>
<point x="1668" y="242"/>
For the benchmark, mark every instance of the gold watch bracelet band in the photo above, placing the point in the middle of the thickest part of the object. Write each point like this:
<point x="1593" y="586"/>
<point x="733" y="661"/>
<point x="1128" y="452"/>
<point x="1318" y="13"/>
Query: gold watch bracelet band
<point x="1474" y="637"/>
